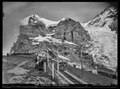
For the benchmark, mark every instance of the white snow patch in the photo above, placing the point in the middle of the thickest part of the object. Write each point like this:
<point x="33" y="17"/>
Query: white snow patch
<point x="49" y="39"/>
<point x="33" y="43"/>
<point x="39" y="38"/>
<point x="70" y="42"/>
<point x="50" y="34"/>
<point x="45" y="21"/>
<point x="63" y="57"/>
<point x="54" y="40"/>
<point x="99" y="29"/>
<point x="25" y="20"/>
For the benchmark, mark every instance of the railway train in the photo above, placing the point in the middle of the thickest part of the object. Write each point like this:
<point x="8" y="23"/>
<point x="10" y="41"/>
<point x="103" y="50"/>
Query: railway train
<point x="62" y="66"/>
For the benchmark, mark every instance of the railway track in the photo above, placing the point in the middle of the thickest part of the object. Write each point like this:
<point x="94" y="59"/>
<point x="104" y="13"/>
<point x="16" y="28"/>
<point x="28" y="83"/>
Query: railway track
<point x="70" y="77"/>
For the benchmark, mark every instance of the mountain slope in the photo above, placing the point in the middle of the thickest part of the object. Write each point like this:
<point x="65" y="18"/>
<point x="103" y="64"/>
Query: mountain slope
<point x="36" y="34"/>
<point x="67" y="38"/>
<point x="106" y="19"/>
<point x="103" y="29"/>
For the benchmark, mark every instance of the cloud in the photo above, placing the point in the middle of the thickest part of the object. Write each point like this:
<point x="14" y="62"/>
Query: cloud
<point x="56" y="11"/>
<point x="8" y="7"/>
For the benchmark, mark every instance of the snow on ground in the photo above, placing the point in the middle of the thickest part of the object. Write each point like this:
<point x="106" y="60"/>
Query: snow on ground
<point x="99" y="29"/>
<point x="54" y="40"/>
<point x="49" y="39"/>
<point x="34" y="43"/>
<point x="48" y="35"/>
<point x="39" y="38"/>
<point x="45" y="21"/>
<point x="108" y="39"/>
<point x="70" y="42"/>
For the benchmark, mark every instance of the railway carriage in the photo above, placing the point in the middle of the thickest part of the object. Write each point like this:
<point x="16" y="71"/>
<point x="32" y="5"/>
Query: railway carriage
<point x="62" y="66"/>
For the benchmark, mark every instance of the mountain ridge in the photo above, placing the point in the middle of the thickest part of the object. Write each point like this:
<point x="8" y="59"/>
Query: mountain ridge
<point x="67" y="32"/>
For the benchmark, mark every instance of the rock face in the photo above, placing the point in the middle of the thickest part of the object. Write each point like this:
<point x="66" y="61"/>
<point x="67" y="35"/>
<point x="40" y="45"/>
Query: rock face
<point x="68" y="30"/>
<point x="71" y="30"/>
<point x="106" y="19"/>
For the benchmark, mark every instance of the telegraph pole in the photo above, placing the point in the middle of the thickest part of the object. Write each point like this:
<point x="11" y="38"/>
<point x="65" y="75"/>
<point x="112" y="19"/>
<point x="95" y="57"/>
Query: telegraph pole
<point x="44" y="66"/>
<point x="82" y="55"/>
<point x="58" y="68"/>
<point x="48" y="59"/>
<point x="58" y="65"/>
<point x="82" y="59"/>
<point x="53" y="75"/>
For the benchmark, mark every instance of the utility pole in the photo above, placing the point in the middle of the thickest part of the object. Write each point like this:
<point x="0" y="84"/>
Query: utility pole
<point x="58" y="68"/>
<point x="44" y="66"/>
<point x="82" y="58"/>
<point x="48" y="59"/>
<point x="53" y="70"/>
<point x="84" y="43"/>
<point x="57" y="65"/>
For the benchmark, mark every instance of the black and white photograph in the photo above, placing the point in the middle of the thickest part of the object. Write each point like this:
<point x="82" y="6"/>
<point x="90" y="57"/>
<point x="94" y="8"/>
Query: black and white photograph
<point x="60" y="44"/>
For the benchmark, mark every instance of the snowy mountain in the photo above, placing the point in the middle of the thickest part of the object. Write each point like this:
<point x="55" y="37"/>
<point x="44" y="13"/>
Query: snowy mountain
<point x="43" y="20"/>
<point x="105" y="19"/>
<point x="36" y="34"/>
<point x="103" y="29"/>
<point x="68" y="38"/>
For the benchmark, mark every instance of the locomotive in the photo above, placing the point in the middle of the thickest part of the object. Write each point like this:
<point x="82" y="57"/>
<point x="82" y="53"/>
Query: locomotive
<point x="62" y="66"/>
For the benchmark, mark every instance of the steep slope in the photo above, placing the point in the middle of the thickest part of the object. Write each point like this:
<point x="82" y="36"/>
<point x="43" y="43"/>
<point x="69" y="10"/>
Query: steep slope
<point x="103" y="30"/>
<point x="107" y="19"/>
<point x="71" y="30"/>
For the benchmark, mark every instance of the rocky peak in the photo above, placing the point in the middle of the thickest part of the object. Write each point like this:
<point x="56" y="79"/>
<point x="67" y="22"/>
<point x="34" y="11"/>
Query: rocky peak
<point x="67" y="30"/>
<point x="67" y="21"/>
<point x="103" y="28"/>
<point x="35" y="22"/>
<point x="104" y="19"/>
<point x="70" y="30"/>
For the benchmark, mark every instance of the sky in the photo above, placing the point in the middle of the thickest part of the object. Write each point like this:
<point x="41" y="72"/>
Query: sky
<point x="55" y="11"/>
